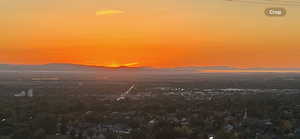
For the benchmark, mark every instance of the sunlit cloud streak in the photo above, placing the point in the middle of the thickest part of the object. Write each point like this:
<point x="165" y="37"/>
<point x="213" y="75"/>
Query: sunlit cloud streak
<point x="109" y="12"/>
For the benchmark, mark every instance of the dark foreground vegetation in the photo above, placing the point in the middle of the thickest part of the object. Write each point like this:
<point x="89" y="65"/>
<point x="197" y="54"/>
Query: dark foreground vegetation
<point x="186" y="107"/>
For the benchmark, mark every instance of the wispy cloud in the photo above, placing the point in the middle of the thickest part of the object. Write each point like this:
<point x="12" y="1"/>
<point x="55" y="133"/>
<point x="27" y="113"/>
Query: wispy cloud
<point x="109" y="12"/>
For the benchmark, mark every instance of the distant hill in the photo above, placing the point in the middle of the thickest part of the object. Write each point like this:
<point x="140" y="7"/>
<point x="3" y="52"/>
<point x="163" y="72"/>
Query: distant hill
<point x="77" y="67"/>
<point x="52" y="67"/>
<point x="57" y="67"/>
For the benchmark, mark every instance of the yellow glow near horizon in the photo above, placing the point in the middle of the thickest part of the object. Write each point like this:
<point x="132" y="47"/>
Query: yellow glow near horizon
<point x="132" y="64"/>
<point x="116" y="65"/>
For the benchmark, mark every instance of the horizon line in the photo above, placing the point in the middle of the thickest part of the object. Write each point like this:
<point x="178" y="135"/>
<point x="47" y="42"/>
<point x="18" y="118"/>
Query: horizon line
<point x="159" y="67"/>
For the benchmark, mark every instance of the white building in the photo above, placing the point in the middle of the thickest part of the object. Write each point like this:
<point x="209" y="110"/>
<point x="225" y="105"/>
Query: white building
<point x="30" y="93"/>
<point x="21" y="94"/>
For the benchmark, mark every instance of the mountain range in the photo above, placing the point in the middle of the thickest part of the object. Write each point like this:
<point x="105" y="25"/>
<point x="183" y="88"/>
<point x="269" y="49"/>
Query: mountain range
<point x="78" y="67"/>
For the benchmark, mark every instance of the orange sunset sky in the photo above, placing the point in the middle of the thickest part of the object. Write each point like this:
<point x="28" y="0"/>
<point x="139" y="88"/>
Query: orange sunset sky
<point x="156" y="33"/>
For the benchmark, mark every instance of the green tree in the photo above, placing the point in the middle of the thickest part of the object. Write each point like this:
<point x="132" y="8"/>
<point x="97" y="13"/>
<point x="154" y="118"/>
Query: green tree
<point x="46" y="122"/>
<point x="22" y="134"/>
<point x="39" y="134"/>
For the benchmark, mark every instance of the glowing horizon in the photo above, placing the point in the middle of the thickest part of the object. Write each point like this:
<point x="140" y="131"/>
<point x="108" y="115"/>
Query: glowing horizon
<point x="147" y="33"/>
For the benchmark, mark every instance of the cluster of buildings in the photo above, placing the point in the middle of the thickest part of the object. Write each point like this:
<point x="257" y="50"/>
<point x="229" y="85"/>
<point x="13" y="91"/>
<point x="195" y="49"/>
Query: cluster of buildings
<point x="28" y="93"/>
